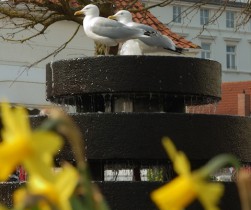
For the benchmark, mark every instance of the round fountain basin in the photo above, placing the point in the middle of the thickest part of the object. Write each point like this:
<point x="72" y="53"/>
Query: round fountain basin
<point x="178" y="77"/>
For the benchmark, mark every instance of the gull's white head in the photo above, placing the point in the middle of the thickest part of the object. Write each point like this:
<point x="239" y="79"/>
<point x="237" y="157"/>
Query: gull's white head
<point x="89" y="10"/>
<point x="122" y="16"/>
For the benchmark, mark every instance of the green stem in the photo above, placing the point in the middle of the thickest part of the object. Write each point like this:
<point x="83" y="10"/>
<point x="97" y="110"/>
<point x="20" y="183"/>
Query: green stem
<point x="218" y="162"/>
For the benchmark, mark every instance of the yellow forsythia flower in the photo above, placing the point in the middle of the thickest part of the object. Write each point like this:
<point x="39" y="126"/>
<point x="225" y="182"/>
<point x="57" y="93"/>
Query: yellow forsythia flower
<point x="55" y="191"/>
<point x="188" y="186"/>
<point x="21" y="145"/>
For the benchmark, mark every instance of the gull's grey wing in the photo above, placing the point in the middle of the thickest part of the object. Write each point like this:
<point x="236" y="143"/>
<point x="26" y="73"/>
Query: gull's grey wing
<point x="155" y="38"/>
<point x="159" y="41"/>
<point x="142" y="26"/>
<point x="113" y="29"/>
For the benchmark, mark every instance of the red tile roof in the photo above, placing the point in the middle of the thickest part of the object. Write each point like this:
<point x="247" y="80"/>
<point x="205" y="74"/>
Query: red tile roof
<point x="148" y="18"/>
<point x="230" y="91"/>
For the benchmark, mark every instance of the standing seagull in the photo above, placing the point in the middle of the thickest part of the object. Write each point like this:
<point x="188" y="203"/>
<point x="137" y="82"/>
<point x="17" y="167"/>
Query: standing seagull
<point x="153" y="43"/>
<point x="106" y="31"/>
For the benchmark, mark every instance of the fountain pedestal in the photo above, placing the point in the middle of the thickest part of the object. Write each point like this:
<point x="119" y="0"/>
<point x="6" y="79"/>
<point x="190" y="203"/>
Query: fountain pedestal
<point x="126" y="104"/>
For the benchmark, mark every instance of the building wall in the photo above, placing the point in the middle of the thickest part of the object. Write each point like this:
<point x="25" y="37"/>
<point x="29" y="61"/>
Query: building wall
<point x="19" y="85"/>
<point x="216" y="34"/>
<point x="230" y="97"/>
<point x="235" y="100"/>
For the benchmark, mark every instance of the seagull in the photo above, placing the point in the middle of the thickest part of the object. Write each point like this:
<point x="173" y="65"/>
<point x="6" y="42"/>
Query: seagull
<point x="107" y="31"/>
<point x="154" y="42"/>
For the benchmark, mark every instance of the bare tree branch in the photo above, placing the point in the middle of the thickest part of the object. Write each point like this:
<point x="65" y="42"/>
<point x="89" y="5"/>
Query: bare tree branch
<point x="54" y="53"/>
<point x="161" y="4"/>
<point x="58" y="50"/>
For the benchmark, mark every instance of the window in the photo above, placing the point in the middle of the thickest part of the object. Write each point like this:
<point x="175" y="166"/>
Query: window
<point x="206" y="50"/>
<point x="177" y="14"/>
<point x="204" y="16"/>
<point x="230" y="19"/>
<point x="231" y="57"/>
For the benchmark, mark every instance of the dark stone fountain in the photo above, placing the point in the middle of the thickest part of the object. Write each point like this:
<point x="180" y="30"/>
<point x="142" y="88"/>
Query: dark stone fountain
<point x="126" y="104"/>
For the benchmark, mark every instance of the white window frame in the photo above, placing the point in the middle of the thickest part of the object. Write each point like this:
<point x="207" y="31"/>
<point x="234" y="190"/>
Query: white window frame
<point x="231" y="56"/>
<point x="204" y="16"/>
<point x="177" y="14"/>
<point x="230" y="16"/>
<point x="206" y="53"/>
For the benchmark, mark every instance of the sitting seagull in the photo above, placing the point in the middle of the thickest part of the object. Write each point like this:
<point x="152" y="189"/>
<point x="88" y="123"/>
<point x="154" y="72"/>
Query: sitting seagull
<point x="153" y="43"/>
<point x="106" y="31"/>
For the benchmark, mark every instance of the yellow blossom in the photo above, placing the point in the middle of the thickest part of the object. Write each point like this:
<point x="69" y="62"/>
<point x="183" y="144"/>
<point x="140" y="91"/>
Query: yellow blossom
<point x="56" y="191"/>
<point x="187" y="187"/>
<point x="21" y="145"/>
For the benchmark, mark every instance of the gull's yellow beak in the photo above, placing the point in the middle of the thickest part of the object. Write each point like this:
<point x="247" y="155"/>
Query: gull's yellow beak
<point x="80" y="12"/>
<point x="113" y="17"/>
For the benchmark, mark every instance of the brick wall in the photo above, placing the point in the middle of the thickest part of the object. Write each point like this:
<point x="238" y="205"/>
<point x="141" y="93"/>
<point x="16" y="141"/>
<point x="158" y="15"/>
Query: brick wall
<point x="235" y="99"/>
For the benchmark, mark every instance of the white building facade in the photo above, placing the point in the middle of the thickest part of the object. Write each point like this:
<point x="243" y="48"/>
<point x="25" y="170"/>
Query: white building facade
<point x="215" y="28"/>
<point x="20" y="85"/>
